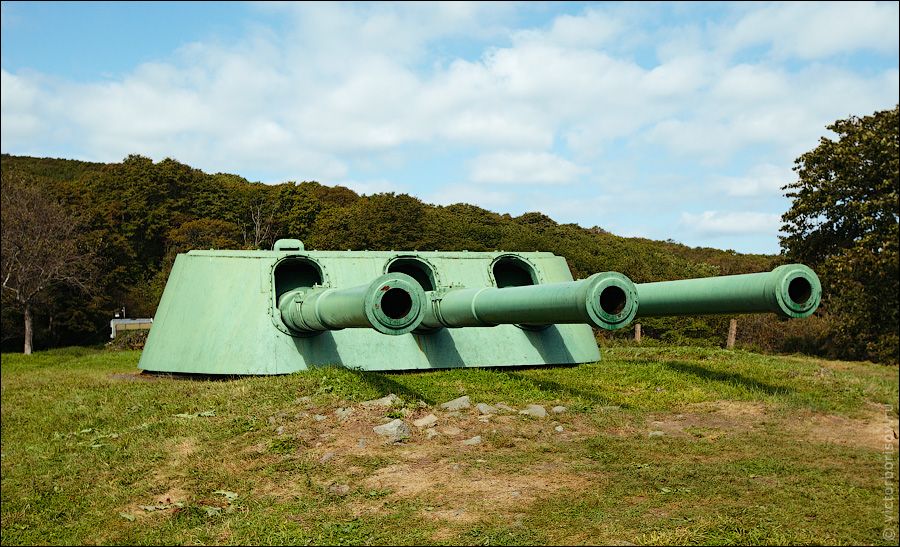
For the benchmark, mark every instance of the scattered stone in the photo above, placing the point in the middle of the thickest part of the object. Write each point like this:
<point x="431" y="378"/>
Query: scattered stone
<point x="559" y="409"/>
<point x="279" y="430"/>
<point x="656" y="434"/>
<point x="504" y="407"/>
<point x="485" y="408"/>
<point x="534" y="410"/>
<point x="431" y="433"/>
<point x="340" y="489"/>
<point x="319" y="417"/>
<point x="422" y="404"/>
<point x="395" y="431"/>
<point x="473" y="441"/>
<point x="427" y="421"/>
<point x="387" y="401"/>
<point x="659" y="390"/>
<point x="559" y="429"/>
<point x="343" y="413"/>
<point x="486" y="419"/>
<point x="327" y="456"/>
<point x="361" y="443"/>
<point x="452" y="431"/>
<point x="457" y="404"/>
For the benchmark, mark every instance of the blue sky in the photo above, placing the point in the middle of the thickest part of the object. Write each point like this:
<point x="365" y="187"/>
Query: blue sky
<point x="672" y="120"/>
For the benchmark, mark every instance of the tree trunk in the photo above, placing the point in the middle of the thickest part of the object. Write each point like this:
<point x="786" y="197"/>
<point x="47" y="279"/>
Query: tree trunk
<point x="28" y="330"/>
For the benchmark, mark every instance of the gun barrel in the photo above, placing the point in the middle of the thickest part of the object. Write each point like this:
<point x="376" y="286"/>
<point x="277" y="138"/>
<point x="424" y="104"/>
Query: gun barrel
<point x="605" y="300"/>
<point x="393" y="304"/>
<point x="792" y="290"/>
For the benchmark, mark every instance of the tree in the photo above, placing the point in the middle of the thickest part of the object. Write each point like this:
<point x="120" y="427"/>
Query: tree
<point x="40" y="249"/>
<point x="844" y="222"/>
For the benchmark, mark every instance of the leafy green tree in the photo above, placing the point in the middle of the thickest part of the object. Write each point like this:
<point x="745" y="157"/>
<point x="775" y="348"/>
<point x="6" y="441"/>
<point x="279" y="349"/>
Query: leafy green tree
<point x="40" y="249"/>
<point x="844" y="222"/>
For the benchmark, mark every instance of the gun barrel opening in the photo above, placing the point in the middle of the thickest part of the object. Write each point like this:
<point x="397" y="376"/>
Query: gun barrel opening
<point x="613" y="300"/>
<point x="800" y="290"/>
<point x="396" y="303"/>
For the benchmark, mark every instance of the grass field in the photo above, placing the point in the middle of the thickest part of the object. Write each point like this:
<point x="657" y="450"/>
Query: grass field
<point x="657" y="446"/>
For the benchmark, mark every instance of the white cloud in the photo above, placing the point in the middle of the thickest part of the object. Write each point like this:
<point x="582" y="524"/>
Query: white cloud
<point x="335" y="92"/>
<point x="524" y="168"/>
<point x="719" y="223"/>
<point x="761" y="180"/>
<point x="814" y="30"/>
<point x="591" y="29"/>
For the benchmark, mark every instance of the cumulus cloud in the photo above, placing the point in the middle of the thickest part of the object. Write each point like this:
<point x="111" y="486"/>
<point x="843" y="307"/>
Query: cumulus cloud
<point x="761" y="180"/>
<point x="334" y="89"/>
<point x="723" y="223"/>
<point x="524" y="168"/>
<point x="813" y="30"/>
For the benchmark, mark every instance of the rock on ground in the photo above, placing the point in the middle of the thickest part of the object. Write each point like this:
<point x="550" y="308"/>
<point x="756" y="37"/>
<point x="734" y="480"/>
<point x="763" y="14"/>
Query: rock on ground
<point x="396" y="430"/>
<point x="387" y="401"/>
<point x="534" y="410"/>
<point x="343" y="413"/>
<point x="558" y="409"/>
<point x="485" y="408"/>
<point x="473" y="441"/>
<point x="457" y="404"/>
<point x="427" y="421"/>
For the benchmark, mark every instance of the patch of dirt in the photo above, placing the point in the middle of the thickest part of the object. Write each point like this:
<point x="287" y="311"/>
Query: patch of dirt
<point x="170" y="498"/>
<point x="877" y="430"/>
<point x="138" y="376"/>
<point x="710" y="420"/>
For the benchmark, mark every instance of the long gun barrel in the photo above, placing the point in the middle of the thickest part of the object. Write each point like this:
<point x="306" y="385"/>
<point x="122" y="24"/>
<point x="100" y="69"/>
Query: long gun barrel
<point x="792" y="290"/>
<point x="393" y="304"/>
<point x="605" y="300"/>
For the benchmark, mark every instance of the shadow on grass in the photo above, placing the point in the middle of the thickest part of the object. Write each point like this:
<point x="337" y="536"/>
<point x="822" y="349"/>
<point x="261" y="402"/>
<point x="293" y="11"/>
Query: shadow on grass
<point x="384" y="384"/>
<point x="731" y="378"/>
<point x="559" y="390"/>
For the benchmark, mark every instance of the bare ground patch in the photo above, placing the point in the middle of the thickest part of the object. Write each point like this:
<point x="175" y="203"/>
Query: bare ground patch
<point x="710" y="419"/>
<point x="877" y="430"/>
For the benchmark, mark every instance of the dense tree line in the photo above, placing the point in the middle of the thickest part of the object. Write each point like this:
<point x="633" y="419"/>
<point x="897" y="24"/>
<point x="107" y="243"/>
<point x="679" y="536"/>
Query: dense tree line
<point x="139" y="215"/>
<point x="845" y="222"/>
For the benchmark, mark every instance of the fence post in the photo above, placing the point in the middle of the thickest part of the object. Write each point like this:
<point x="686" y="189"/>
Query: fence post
<point x="637" y="333"/>
<point x="732" y="333"/>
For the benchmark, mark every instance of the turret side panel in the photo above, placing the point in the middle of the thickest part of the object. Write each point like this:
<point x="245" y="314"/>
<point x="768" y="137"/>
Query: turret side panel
<point x="213" y="318"/>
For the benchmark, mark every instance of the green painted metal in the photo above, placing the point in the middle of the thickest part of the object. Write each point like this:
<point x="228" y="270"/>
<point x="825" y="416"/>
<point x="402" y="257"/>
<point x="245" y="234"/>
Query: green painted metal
<point x="392" y="304"/>
<point x="289" y="309"/>
<point x="604" y="300"/>
<point x="792" y="290"/>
